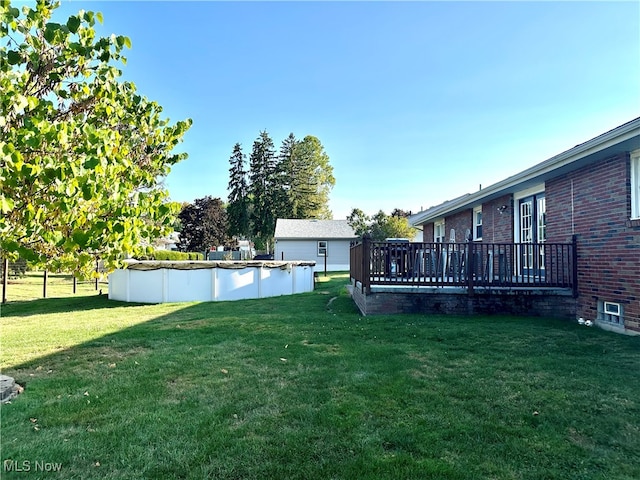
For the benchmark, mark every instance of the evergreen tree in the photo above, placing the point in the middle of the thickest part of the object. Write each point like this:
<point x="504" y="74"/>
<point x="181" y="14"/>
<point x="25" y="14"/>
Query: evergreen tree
<point x="287" y="176"/>
<point x="238" y="200"/>
<point x="295" y="183"/>
<point x="262" y="189"/>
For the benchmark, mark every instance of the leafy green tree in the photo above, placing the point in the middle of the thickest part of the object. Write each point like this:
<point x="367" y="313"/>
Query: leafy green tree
<point x="238" y="200"/>
<point x="204" y="225"/>
<point x="81" y="152"/>
<point x="388" y="226"/>
<point x="381" y="226"/>
<point x="263" y="189"/>
<point x="305" y="179"/>
<point x="359" y="221"/>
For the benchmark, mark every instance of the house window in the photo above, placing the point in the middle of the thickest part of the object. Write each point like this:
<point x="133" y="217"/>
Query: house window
<point x="541" y="209"/>
<point x="611" y="313"/>
<point x="322" y="248"/>
<point x="438" y="231"/>
<point x="635" y="184"/>
<point x="477" y="223"/>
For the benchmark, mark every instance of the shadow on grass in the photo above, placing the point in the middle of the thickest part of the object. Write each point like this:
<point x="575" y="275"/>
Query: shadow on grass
<point x="43" y="306"/>
<point x="177" y="332"/>
<point x="204" y="358"/>
<point x="302" y="386"/>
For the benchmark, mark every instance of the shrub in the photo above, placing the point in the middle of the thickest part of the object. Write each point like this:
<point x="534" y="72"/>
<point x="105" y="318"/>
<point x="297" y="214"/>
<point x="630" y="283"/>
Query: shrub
<point x="171" y="255"/>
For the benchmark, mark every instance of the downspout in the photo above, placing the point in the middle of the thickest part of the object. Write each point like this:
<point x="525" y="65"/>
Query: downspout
<point x="573" y="228"/>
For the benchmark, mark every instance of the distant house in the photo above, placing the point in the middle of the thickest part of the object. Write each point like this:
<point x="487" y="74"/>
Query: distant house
<point x="170" y="242"/>
<point x="589" y="194"/>
<point x="314" y="240"/>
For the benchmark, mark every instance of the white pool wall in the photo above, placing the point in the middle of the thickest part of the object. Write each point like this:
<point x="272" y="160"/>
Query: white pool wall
<point x="155" y="282"/>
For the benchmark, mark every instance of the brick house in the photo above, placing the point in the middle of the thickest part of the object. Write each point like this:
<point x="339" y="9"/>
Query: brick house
<point x="590" y="193"/>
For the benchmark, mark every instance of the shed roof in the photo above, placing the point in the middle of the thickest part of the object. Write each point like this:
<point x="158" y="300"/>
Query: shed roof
<point x="288" y="228"/>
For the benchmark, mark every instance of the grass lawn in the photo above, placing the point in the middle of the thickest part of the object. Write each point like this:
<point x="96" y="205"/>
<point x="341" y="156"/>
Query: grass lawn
<point x="30" y="287"/>
<point x="303" y="387"/>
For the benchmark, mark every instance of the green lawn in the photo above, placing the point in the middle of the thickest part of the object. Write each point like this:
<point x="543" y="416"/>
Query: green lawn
<point x="31" y="287"/>
<point x="303" y="387"/>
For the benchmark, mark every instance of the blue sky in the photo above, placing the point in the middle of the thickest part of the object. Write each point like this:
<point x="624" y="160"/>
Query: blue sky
<point x="414" y="102"/>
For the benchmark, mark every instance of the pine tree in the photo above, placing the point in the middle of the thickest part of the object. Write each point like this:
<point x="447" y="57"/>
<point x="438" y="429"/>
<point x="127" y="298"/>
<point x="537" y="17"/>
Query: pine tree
<point x="286" y="178"/>
<point x="295" y="183"/>
<point x="262" y="189"/>
<point x="238" y="200"/>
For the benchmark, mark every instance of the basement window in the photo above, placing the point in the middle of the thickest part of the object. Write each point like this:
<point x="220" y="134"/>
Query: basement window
<point x="611" y="313"/>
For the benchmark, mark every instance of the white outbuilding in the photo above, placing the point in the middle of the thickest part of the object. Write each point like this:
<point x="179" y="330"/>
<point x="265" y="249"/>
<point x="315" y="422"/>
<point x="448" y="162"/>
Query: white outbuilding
<point x="325" y="242"/>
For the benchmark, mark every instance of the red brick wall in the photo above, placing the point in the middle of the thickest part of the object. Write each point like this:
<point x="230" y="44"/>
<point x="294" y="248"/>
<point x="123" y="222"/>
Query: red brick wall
<point x="461" y="303"/>
<point x="427" y="233"/>
<point x="460" y="222"/>
<point x="608" y="246"/>
<point x="497" y="225"/>
<point x="608" y="243"/>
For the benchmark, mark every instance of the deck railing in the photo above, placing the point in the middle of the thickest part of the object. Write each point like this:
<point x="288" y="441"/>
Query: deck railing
<point x="469" y="265"/>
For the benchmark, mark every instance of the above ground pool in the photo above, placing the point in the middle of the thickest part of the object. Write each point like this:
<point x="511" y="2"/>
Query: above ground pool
<point x="152" y="281"/>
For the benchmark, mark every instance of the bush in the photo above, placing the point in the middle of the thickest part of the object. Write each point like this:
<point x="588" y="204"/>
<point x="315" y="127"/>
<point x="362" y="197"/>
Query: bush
<point x="172" y="255"/>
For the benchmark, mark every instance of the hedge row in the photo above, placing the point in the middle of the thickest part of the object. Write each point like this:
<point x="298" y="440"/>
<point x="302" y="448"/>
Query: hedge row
<point x="172" y="255"/>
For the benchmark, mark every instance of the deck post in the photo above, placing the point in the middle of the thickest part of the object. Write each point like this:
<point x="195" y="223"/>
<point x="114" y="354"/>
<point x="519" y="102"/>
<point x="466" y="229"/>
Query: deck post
<point x="366" y="263"/>
<point x="325" y="263"/>
<point x="5" y="279"/>
<point x="471" y="266"/>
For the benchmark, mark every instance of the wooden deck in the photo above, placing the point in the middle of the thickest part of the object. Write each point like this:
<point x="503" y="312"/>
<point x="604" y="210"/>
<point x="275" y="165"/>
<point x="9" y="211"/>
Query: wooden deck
<point x="468" y="266"/>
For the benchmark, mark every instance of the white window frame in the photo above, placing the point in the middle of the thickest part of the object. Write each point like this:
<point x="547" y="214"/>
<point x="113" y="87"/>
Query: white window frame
<point x="476" y="224"/>
<point x="610" y="313"/>
<point x="537" y="190"/>
<point x="612" y="308"/>
<point x="635" y="184"/>
<point x="438" y="228"/>
<point x="323" y="248"/>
